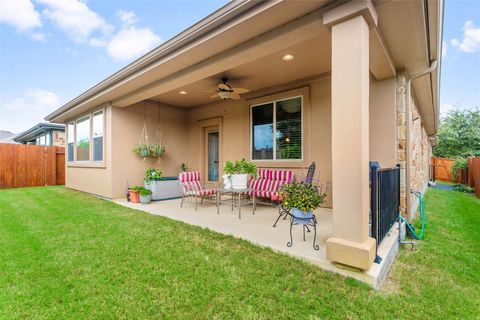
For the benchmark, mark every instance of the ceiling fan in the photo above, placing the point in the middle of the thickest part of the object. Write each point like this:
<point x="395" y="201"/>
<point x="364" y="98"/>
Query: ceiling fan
<point x="225" y="91"/>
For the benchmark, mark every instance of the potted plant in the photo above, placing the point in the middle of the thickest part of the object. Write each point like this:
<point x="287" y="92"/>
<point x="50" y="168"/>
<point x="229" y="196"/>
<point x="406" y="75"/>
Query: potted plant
<point x="142" y="150"/>
<point x="145" y="195"/>
<point x="184" y="167"/>
<point x="239" y="172"/>
<point x="134" y="194"/>
<point x="152" y="177"/>
<point x="156" y="150"/>
<point x="302" y="198"/>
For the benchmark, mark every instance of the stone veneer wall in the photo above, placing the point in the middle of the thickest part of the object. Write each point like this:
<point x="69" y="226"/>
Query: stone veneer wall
<point x="420" y="149"/>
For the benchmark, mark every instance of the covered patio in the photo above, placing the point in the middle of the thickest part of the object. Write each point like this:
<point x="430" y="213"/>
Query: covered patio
<point x="258" y="229"/>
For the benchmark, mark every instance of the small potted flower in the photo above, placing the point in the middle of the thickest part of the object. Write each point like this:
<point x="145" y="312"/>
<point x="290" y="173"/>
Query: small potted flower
<point x="302" y="198"/>
<point x="239" y="172"/>
<point x="145" y="195"/>
<point x="134" y="194"/>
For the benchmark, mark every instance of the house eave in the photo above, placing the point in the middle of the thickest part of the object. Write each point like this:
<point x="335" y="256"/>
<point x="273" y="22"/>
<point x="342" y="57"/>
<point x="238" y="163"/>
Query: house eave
<point x="226" y="13"/>
<point x="31" y="133"/>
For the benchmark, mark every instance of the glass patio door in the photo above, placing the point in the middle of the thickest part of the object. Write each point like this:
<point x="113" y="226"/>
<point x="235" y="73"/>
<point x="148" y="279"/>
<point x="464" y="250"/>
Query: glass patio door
<point x="212" y="146"/>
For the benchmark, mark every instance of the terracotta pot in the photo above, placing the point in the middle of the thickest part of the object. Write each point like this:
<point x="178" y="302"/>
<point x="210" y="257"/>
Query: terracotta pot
<point x="134" y="196"/>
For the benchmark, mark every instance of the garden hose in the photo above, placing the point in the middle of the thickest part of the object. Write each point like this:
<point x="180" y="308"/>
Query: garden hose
<point x="411" y="228"/>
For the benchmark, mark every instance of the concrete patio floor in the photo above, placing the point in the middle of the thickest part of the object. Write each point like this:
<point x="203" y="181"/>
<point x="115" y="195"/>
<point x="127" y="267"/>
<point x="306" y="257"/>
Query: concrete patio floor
<point x="258" y="229"/>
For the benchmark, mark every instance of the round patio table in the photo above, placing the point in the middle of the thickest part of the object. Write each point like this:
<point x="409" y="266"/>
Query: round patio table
<point x="237" y="199"/>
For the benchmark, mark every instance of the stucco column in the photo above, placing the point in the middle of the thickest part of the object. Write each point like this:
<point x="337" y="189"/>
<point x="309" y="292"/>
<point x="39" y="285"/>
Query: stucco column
<point x="350" y="244"/>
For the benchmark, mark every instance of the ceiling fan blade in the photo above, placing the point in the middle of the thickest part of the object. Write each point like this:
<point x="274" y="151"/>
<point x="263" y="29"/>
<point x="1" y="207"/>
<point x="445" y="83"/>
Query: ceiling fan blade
<point x="240" y="90"/>
<point x="223" y="86"/>
<point x="214" y="96"/>
<point x="234" y="96"/>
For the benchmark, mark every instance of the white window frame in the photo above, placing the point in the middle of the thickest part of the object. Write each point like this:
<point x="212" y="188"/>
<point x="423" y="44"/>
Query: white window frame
<point x="81" y="119"/>
<point x="274" y="102"/>
<point x="73" y="138"/>
<point x="102" y="111"/>
<point x="90" y="161"/>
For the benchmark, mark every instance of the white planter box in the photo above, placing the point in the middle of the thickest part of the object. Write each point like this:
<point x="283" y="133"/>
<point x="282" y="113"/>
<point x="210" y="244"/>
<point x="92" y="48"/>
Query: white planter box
<point x="167" y="188"/>
<point x="239" y="181"/>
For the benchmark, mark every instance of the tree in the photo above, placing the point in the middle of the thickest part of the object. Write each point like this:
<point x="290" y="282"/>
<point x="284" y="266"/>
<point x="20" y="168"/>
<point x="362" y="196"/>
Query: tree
<point x="459" y="135"/>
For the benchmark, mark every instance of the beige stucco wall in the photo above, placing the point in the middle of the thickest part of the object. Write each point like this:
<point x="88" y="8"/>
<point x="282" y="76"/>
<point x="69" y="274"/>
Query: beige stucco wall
<point x="383" y="117"/>
<point x="95" y="179"/>
<point x="127" y="125"/>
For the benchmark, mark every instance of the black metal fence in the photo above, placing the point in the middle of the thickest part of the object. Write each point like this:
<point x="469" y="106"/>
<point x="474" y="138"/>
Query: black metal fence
<point x="384" y="199"/>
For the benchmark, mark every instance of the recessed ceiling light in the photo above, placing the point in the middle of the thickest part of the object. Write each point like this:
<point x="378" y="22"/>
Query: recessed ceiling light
<point x="288" y="57"/>
<point x="182" y="92"/>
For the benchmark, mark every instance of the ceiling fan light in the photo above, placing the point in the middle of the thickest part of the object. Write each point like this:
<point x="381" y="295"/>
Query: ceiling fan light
<point x="288" y="57"/>
<point x="224" y="94"/>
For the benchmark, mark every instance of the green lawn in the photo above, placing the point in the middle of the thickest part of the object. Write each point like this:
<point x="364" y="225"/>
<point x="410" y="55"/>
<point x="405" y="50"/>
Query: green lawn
<point x="64" y="254"/>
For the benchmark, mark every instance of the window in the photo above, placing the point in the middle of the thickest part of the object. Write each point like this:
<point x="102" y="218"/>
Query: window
<point x="70" y="141"/>
<point x="42" y="140"/>
<point x="83" y="139"/>
<point x="277" y="130"/>
<point x="262" y="132"/>
<point x="98" y="136"/>
<point x="48" y="139"/>
<point x="37" y="141"/>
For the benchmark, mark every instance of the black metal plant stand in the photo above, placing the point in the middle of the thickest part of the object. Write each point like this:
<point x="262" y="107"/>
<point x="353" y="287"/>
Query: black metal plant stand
<point x="305" y="222"/>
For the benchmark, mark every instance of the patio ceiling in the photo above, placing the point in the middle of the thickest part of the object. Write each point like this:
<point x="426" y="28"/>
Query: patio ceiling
<point x="311" y="58"/>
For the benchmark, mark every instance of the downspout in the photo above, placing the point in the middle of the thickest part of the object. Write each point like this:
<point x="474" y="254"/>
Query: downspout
<point x="430" y="69"/>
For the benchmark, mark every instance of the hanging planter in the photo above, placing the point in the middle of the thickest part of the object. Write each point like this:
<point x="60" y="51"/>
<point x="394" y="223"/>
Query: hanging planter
<point x="156" y="150"/>
<point x="142" y="150"/>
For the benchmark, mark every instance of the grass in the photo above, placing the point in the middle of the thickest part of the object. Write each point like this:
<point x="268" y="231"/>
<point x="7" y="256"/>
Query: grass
<point x="64" y="254"/>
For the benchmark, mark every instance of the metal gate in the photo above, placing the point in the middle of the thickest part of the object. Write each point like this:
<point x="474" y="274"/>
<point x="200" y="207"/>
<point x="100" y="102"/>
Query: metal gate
<point x="384" y="199"/>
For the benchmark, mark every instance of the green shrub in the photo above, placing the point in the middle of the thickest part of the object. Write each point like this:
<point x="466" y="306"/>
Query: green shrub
<point x="463" y="188"/>
<point x="152" y="175"/>
<point x="302" y="195"/>
<point x="458" y="165"/>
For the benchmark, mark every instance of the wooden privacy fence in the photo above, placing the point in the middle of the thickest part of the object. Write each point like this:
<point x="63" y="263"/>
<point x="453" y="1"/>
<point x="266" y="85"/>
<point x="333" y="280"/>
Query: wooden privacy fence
<point x="442" y="169"/>
<point x="24" y="165"/>
<point x="474" y="174"/>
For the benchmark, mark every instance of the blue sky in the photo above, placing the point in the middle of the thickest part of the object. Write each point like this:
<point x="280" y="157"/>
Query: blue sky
<point x="53" y="50"/>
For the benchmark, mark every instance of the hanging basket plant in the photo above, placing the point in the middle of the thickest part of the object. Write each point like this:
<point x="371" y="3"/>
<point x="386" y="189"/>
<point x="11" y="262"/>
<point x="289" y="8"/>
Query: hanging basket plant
<point x="145" y="149"/>
<point x="142" y="150"/>
<point x="156" y="150"/>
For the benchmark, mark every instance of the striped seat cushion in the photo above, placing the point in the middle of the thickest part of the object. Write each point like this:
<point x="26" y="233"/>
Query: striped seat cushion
<point x="206" y="192"/>
<point x="192" y="186"/>
<point x="269" y="181"/>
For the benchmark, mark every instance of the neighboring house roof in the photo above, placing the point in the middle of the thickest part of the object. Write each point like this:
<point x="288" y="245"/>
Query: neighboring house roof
<point x="412" y="32"/>
<point x="34" y="131"/>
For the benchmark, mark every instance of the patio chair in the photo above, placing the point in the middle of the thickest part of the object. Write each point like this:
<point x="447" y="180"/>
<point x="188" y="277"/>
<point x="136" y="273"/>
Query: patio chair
<point x="283" y="212"/>
<point x="192" y="188"/>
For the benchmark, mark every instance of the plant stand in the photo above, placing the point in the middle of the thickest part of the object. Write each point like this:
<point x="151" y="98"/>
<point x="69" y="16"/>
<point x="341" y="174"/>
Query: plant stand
<point x="305" y="223"/>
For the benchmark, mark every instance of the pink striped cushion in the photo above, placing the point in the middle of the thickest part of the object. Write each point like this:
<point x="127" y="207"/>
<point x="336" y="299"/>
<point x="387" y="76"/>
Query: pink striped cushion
<point x="206" y="192"/>
<point x="189" y="176"/>
<point x="284" y="175"/>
